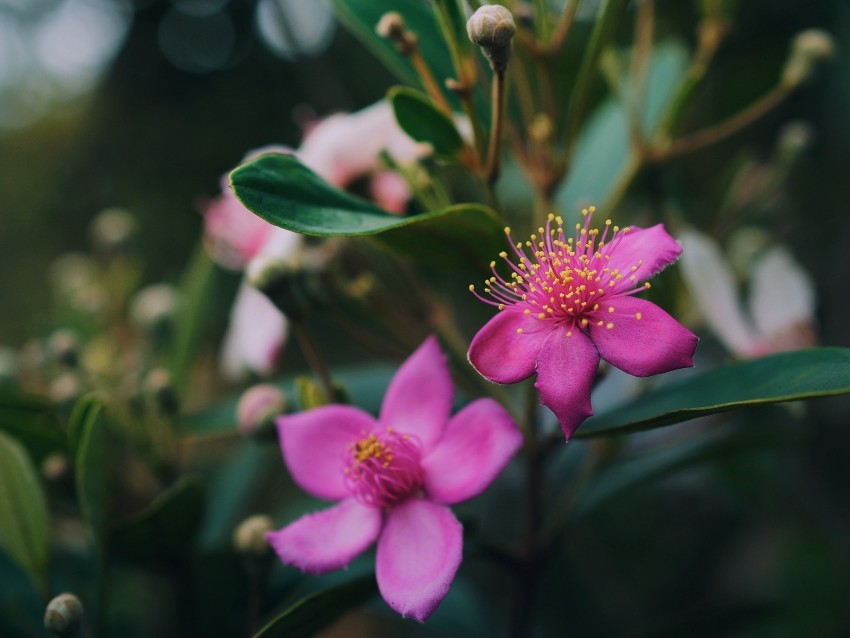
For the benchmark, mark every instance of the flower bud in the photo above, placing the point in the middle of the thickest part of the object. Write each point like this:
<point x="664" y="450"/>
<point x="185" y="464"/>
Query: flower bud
<point x="392" y="27"/>
<point x="808" y="49"/>
<point x="492" y="27"/>
<point x="112" y="229"/>
<point x="257" y="408"/>
<point x="249" y="537"/>
<point x="64" y="615"/>
<point x="154" y="306"/>
<point x="63" y="346"/>
<point x="159" y="386"/>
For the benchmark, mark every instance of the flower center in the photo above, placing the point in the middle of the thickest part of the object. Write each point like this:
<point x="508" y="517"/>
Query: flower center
<point x="568" y="280"/>
<point x="383" y="468"/>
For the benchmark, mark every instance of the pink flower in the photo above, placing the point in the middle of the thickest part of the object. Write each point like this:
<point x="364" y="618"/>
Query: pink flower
<point x="781" y="298"/>
<point x="569" y="304"/>
<point x="394" y="478"/>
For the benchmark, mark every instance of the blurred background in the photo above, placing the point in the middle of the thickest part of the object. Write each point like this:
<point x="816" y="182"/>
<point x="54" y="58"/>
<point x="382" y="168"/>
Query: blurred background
<point x="144" y="104"/>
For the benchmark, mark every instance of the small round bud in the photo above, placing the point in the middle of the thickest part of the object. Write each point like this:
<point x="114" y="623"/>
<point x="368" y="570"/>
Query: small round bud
<point x="63" y="346"/>
<point x="159" y="386"/>
<point x="491" y="26"/>
<point x="250" y="535"/>
<point x="390" y="26"/>
<point x="64" y="615"/>
<point x="65" y="389"/>
<point x="55" y="467"/>
<point x="808" y="49"/>
<point x="112" y="229"/>
<point x="257" y="408"/>
<point x="154" y="306"/>
<point x="794" y="137"/>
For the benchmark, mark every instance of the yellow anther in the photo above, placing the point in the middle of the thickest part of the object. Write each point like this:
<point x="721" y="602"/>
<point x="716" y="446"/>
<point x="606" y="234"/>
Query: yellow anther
<point x="507" y="230"/>
<point x="501" y="306"/>
<point x="492" y="264"/>
<point x="471" y="287"/>
<point x="519" y="331"/>
<point x="638" y="316"/>
<point x="609" y="325"/>
<point x="541" y="315"/>
<point x="610" y="308"/>
<point x="503" y="254"/>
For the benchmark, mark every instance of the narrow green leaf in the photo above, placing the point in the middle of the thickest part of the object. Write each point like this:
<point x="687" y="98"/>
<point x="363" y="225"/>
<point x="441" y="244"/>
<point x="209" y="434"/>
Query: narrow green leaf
<point x="197" y="288"/>
<point x="86" y="409"/>
<point x="787" y="376"/>
<point x="286" y="193"/>
<point x="361" y="17"/>
<point x="424" y="122"/>
<point x="166" y="527"/>
<point x="92" y="473"/>
<point x="23" y="513"/>
<point x="311" y="614"/>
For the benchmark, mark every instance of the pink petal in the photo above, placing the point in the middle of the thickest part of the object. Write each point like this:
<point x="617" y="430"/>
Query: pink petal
<point x="653" y="246"/>
<point x="390" y="191"/>
<point x="255" y="336"/>
<point x="315" y="446"/>
<point x="566" y="369"/>
<point x="477" y="445"/>
<point x="501" y="354"/>
<point x="419" y="553"/>
<point x="650" y="345"/>
<point x="327" y="540"/>
<point x="419" y="399"/>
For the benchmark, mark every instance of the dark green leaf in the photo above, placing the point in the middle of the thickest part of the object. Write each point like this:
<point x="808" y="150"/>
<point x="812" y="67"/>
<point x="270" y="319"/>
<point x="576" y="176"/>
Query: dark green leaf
<point x="313" y="613"/>
<point x="361" y="17"/>
<point x="86" y="409"/>
<point x="424" y="122"/>
<point x="33" y="422"/>
<point x="166" y="527"/>
<point x="23" y="512"/>
<point x="787" y="376"/>
<point x="286" y="193"/>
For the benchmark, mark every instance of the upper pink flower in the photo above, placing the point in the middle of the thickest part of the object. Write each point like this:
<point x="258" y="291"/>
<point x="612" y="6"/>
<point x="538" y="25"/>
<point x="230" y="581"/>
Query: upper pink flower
<point x="569" y="304"/>
<point x="394" y="478"/>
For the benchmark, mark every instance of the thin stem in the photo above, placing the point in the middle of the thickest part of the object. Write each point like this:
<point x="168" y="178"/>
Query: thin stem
<point x="722" y="130"/>
<point x="314" y="360"/>
<point x="494" y="149"/>
<point x="644" y="27"/>
<point x="429" y="82"/>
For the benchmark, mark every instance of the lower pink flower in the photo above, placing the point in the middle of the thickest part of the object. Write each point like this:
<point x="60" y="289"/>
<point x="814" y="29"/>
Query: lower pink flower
<point x="569" y="303"/>
<point x="394" y="478"/>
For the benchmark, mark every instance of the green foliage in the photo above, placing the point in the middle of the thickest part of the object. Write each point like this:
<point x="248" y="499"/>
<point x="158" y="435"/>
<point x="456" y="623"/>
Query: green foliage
<point x="787" y="376"/>
<point x="313" y="613"/>
<point x="24" y="533"/>
<point x="91" y="460"/>
<point x="286" y="193"/>
<point x="33" y="422"/>
<point x="424" y="122"/>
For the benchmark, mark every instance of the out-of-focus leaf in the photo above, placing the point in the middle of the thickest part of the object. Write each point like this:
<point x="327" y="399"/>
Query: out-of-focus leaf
<point x="361" y="17"/>
<point x="603" y="148"/>
<point x="23" y="512"/>
<point x="92" y="476"/>
<point x="86" y="409"/>
<point x="424" y="122"/>
<point x="286" y="193"/>
<point x="197" y="288"/>
<point x="166" y="527"/>
<point x="308" y="394"/>
<point x="787" y="376"/>
<point x="313" y="613"/>
<point x="33" y="422"/>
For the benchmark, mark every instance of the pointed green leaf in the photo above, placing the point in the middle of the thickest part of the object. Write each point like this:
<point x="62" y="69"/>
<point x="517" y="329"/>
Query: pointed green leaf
<point x="86" y="409"/>
<point x="787" y="376"/>
<point x="166" y="527"/>
<point x="313" y="613"/>
<point x="286" y="193"/>
<point x="420" y="119"/>
<point x="92" y="472"/>
<point x="23" y="512"/>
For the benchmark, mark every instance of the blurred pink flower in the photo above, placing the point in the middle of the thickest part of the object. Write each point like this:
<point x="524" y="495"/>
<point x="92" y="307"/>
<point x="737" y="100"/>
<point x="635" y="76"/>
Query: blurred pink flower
<point x="781" y="300"/>
<point x="339" y="148"/>
<point x="570" y="304"/>
<point x="394" y="478"/>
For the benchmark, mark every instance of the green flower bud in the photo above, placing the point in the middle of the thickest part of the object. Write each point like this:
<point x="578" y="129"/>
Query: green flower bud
<point x="64" y="615"/>
<point x="808" y="49"/>
<point x="392" y="27"/>
<point x="257" y="408"/>
<point x="491" y="26"/>
<point x="250" y="535"/>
